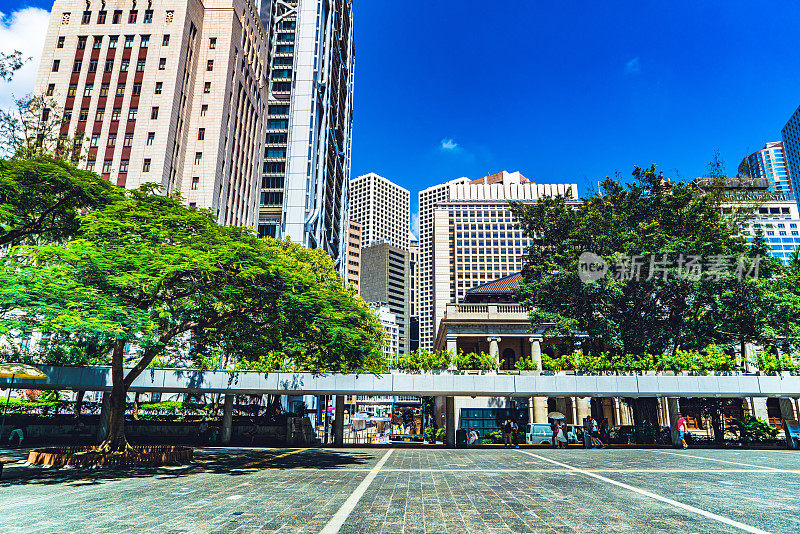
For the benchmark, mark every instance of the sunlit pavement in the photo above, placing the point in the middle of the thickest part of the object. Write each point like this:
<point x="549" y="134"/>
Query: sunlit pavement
<point x="416" y="490"/>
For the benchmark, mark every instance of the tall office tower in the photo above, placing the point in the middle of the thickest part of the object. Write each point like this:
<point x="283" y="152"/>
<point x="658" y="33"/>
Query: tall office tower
<point x="353" y="274"/>
<point x="768" y="165"/>
<point x="172" y="93"/>
<point x="791" y="148"/>
<point x="384" y="278"/>
<point x="306" y="174"/>
<point x="413" y="283"/>
<point x="468" y="237"/>
<point x="388" y="320"/>
<point x="383" y="209"/>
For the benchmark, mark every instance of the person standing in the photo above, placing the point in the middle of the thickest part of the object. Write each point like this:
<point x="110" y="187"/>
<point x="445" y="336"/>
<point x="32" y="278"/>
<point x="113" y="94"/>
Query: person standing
<point x="561" y="435"/>
<point x="508" y="430"/>
<point x="682" y="431"/>
<point x="554" y="431"/>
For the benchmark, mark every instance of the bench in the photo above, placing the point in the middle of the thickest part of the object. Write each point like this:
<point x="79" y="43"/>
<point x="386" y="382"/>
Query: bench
<point x="4" y="461"/>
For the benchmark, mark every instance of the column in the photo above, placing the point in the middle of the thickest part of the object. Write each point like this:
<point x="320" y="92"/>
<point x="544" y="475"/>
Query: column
<point x="561" y="405"/>
<point x="338" y="422"/>
<point x="450" y="417"/>
<point x="537" y="410"/>
<point x="608" y="410"/>
<point x="452" y="347"/>
<point x="494" y="347"/>
<point x="759" y="409"/>
<point x="584" y="409"/>
<point x="227" y="419"/>
<point x="536" y="351"/>
<point x="674" y="413"/>
<point x="105" y="413"/>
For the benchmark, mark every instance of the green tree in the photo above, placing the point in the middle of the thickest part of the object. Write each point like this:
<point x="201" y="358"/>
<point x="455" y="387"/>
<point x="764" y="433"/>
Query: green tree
<point x="148" y="271"/>
<point x="10" y="64"/>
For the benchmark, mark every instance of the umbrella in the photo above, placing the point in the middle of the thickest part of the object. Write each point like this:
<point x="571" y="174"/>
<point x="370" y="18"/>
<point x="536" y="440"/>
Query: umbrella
<point x="17" y="370"/>
<point x="555" y="415"/>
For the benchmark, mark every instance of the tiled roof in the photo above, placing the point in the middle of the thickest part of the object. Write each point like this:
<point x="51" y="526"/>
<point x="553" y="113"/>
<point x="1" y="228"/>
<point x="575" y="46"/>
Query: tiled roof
<point x="502" y="286"/>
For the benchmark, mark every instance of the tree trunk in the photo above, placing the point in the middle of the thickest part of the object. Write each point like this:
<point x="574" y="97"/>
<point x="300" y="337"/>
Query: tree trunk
<point x="136" y="406"/>
<point x="115" y="440"/>
<point x="79" y="402"/>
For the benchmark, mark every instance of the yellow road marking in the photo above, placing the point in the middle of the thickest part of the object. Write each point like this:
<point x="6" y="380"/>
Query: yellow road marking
<point x="263" y="460"/>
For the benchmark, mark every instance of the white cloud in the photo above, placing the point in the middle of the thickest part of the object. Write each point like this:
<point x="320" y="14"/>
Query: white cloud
<point x="415" y="223"/>
<point x="449" y="144"/>
<point x="633" y="66"/>
<point x="23" y="30"/>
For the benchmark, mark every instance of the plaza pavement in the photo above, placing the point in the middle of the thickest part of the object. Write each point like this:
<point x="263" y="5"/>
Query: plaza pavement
<point x="416" y="490"/>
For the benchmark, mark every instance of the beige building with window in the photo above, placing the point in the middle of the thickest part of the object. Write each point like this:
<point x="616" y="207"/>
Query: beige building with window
<point x="168" y="92"/>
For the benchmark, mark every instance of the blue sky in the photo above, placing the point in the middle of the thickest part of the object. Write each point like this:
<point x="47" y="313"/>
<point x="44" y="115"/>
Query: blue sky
<point x="565" y="91"/>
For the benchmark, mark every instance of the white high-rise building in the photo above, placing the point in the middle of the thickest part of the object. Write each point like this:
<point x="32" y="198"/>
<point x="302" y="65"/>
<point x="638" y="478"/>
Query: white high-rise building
<point x="170" y="92"/>
<point x="388" y="321"/>
<point x="468" y="237"/>
<point x="306" y="173"/>
<point x="791" y="151"/>
<point x="383" y="209"/>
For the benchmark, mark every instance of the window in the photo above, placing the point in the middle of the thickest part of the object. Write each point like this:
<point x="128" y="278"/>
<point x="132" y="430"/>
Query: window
<point x="201" y="134"/>
<point x="198" y="157"/>
<point x="165" y="42"/>
<point x="192" y="204"/>
<point x="87" y="17"/>
<point x="137" y="89"/>
<point x="50" y="89"/>
<point x="117" y="16"/>
<point x="95" y="140"/>
<point x="92" y="65"/>
<point x="210" y="65"/>
<point x="277" y="124"/>
<point x="158" y="88"/>
<point x="100" y="115"/>
<point x="132" y="16"/>
<point x="120" y="89"/>
<point x="212" y="43"/>
<point x="56" y="63"/>
<point x="148" y="16"/>
<point x="101" y="17"/>
<point x="195" y="182"/>
<point x="276" y="152"/>
<point x="112" y="41"/>
<point x="83" y="116"/>
<point x="60" y="42"/>
<point x="123" y="165"/>
<point x="106" y="166"/>
<point x="207" y="87"/>
<point x="144" y="42"/>
<point x="279" y="110"/>
<point x="129" y="41"/>
<point x="104" y="89"/>
<point x="128" y="140"/>
<point x="97" y="41"/>
<point x="71" y="89"/>
<point x="123" y="66"/>
<point x="112" y="140"/>
<point x="132" y="114"/>
<point x="140" y="65"/>
<point x="154" y="113"/>
<point x="162" y="63"/>
<point x="109" y="65"/>
<point x="90" y="164"/>
<point x="76" y="67"/>
<point x="81" y="42"/>
<point x="67" y="115"/>
<point x="87" y="91"/>
<point x="146" y="165"/>
<point x="203" y="110"/>
<point x="115" y="113"/>
<point x="150" y="138"/>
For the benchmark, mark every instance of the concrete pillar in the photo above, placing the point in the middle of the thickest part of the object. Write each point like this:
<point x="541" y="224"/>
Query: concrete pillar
<point x="450" y="418"/>
<point x="537" y="410"/>
<point x="584" y="409"/>
<point x="788" y="409"/>
<point x="227" y="420"/>
<point x="573" y="410"/>
<point x="561" y="405"/>
<point x="494" y="347"/>
<point x="452" y="347"/>
<point x="338" y="422"/>
<point x="608" y="410"/>
<point x="759" y="409"/>
<point x="536" y="351"/>
<point x="105" y="413"/>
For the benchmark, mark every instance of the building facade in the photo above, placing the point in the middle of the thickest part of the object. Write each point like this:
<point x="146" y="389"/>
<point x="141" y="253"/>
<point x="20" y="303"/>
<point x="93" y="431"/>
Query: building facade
<point x="384" y="278"/>
<point x="779" y="220"/>
<point x="769" y="165"/>
<point x="172" y="93"/>
<point x="468" y="237"/>
<point x="388" y="321"/>
<point x="383" y="209"/>
<point x="791" y="148"/>
<point x="353" y="272"/>
<point x="413" y="283"/>
<point x="306" y="171"/>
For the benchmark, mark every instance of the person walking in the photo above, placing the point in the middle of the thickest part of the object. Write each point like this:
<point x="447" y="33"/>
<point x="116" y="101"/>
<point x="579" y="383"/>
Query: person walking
<point x="18" y="435"/>
<point x="605" y="435"/>
<point x="561" y="435"/>
<point x="508" y="430"/>
<point x="473" y="437"/>
<point x="554" y="431"/>
<point x="682" y="431"/>
<point x="515" y="432"/>
<point x="596" y="434"/>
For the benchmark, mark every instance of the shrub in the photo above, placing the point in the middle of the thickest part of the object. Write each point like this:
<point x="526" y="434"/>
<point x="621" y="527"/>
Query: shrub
<point x="526" y="364"/>
<point x="770" y="362"/>
<point x="754" y="429"/>
<point x="441" y="434"/>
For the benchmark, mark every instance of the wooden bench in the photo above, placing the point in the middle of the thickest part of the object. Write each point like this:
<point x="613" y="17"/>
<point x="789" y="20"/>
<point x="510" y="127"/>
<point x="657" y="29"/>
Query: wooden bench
<point x="4" y="461"/>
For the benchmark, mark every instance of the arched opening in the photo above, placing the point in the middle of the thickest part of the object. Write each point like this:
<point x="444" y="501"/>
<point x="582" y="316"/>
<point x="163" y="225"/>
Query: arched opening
<point x="508" y="359"/>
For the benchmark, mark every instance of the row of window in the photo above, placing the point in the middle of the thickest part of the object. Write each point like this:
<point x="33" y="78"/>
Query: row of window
<point x="109" y="65"/>
<point x="104" y="87"/>
<point x="116" y="16"/>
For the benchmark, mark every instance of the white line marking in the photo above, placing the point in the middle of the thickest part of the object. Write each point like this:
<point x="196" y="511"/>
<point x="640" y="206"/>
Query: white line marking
<point x="234" y="497"/>
<point x="723" y="461"/>
<point x="687" y="507"/>
<point x="341" y="515"/>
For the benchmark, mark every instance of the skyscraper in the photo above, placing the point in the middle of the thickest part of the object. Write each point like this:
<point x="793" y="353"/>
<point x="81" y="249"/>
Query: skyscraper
<point x="768" y="165"/>
<point x="791" y="147"/>
<point x="353" y="273"/>
<point x="468" y="237"/>
<point x="306" y="173"/>
<point x="168" y="93"/>
<point x="384" y="278"/>
<point x="382" y="208"/>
